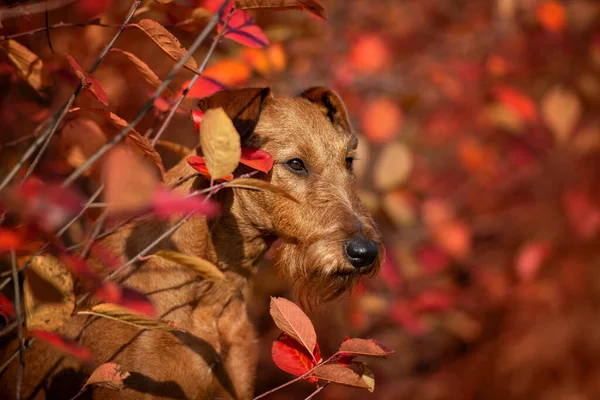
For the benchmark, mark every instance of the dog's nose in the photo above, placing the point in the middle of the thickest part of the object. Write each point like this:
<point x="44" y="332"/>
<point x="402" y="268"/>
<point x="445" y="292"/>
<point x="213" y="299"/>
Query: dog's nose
<point x="361" y="252"/>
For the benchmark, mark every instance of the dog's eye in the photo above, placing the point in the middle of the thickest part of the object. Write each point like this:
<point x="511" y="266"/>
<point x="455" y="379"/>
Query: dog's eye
<point x="296" y="165"/>
<point x="349" y="162"/>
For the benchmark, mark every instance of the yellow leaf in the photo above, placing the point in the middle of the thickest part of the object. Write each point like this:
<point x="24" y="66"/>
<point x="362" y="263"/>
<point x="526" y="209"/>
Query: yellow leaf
<point x="393" y="166"/>
<point x="48" y="294"/>
<point x="561" y="111"/>
<point x="179" y="149"/>
<point x="147" y="73"/>
<point x="257" y="184"/>
<point x="167" y="42"/>
<point x="205" y="268"/>
<point x="367" y="376"/>
<point x="28" y="65"/>
<point x="220" y="143"/>
<point x="117" y="313"/>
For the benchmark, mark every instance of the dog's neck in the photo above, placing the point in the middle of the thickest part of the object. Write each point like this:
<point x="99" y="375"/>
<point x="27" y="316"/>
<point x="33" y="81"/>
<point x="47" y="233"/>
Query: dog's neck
<point x="229" y="241"/>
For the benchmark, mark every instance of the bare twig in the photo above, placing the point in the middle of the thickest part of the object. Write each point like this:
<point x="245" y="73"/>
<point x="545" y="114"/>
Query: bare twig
<point x="17" y="289"/>
<point x="316" y="392"/>
<point x="60" y="25"/>
<point x="31" y="8"/>
<point x="307" y="373"/>
<point x="192" y="82"/>
<point x="65" y="108"/>
<point x="199" y="40"/>
<point x="85" y="207"/>
<point x="140" y="254"/>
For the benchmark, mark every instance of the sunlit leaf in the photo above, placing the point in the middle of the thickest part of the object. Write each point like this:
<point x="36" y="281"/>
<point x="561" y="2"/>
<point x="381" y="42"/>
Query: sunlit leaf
<point x="28" y="65"/>
<point x="220" y="143"/>
<point x="203" y="267"/>
<point x="293" y="321"/>
<point x="257" y="159"/>
<point x="108" y="375"/>
<point x="126" y="316"/>
<point x="167" y="42"/>
<point x="145" y="71"/>
<point x="561" y="110"/>
<point x="341" y="375"/>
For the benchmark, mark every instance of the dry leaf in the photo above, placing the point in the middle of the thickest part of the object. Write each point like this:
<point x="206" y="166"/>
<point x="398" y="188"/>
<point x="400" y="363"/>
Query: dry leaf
<point x="28" y="65"/>
<point x="199" y="265"/>
<point x="130" y="182"/>
<point x="367" y="376"/>
<point x="109" y="375"/>
<point x="139" y="142"/>
<point x="339" y="374"/>
<point x="311" y="6"/>
<point x="364" y="347"/>
<point x="146" y="72"/>
<point x="126" y="316"/>
<point x="393" y="166"/>
<point x="561" y="110"/>
<point x="48" y="294"/>
<point x="178" y="149"/>
<point x="220" y="143"/>
<point x="257" y="184"/>
<point x="167" y="42"/>
<point x="292" y="320"/>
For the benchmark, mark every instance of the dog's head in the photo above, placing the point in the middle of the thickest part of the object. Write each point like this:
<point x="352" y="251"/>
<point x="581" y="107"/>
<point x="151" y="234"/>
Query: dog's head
<point x="329" y="239"/>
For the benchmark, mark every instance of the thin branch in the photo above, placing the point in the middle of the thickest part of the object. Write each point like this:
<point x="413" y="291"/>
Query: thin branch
<point x="17" y="289"/>
<point x="201" y="37"/>
<point x="184" y="179"/>
<point x="85" y="207"/>
<point x="67" y="106"/>
<point x="140" y="254"/>
<point x="60" y="25"/>
<point x="31" y="8"/>
<point x="175" y="107"/>
<point x="307" y="373"/>
<point x="316" y="392"/>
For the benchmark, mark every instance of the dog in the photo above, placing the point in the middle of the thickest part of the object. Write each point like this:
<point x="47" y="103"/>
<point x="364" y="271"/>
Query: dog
<point x="328" y="242"/>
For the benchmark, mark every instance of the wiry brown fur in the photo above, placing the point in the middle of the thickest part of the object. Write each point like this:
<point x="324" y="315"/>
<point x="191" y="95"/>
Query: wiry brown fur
<point x="218" y="350"/>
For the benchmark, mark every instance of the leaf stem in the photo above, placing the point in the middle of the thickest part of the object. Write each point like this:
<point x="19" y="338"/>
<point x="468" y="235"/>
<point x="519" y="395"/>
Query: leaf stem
<point x="307" y="373"/>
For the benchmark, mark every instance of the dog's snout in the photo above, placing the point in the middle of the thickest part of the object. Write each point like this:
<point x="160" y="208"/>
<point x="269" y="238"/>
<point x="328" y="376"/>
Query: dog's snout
<point x="361" y="251"/>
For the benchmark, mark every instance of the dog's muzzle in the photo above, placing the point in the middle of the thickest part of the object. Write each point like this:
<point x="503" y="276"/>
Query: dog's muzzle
<point x="361" y="252"/>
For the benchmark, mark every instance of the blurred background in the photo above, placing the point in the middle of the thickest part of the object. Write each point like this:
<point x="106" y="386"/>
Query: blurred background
<point x="479" y="157"/>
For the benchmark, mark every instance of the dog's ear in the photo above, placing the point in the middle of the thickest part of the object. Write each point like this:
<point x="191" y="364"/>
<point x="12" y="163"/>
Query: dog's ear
<point x="243" y="106"/>
<point x="331" y="105"/>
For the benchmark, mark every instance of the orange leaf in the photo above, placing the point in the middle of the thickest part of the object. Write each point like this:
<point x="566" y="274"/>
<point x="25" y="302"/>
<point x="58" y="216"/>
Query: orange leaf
<point x="108" y="375"/>
<point x="382" y="120"/>
<point x="551" y="15"/>
<point x="9" y="240"/>
<point x="29" y="66"/>
<point x="147" y="73"/>
<point x="517" y="101"/>
<point x="219" y="76"/>
<point x="292" y="320"/>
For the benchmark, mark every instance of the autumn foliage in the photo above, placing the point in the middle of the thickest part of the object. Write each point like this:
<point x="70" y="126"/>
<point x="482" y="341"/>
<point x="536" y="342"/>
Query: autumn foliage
<point x="478" y="156"/>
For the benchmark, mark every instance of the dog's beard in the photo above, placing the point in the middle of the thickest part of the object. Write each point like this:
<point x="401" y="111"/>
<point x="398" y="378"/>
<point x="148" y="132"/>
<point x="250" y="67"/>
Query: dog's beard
<point x="319" y="270"/>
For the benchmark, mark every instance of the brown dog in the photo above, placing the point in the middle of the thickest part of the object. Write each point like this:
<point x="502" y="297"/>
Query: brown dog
<point x="328" y="241"/>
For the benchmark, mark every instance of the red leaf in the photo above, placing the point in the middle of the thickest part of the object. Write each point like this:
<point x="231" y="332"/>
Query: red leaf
<point x="197" y="117"/>
<point x="66" y="345"/>
<point x="291" y="319"/>
<point x="6" y="307"/>
<point x="47" y="206"/>
<point x="243" y="29"/>
<point x="111" y="292"/>
<point x="88" y="81"/>
<point x="166" y="203"/>
<point x="9" y="240"/>
<point x="433" y="300"/>
<point x="204" y="87"/>
<point x="517" y="101"/>
<point x="199" y="165"/>
<point x="257" y="159"/>
<point x="291" y="356"/>
<point x="530" y="259"/>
